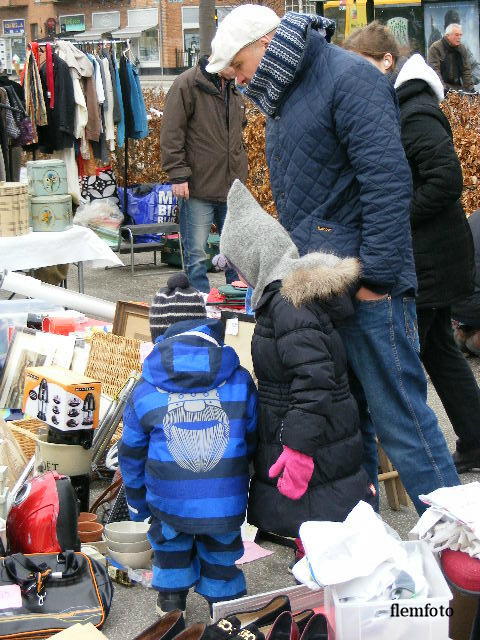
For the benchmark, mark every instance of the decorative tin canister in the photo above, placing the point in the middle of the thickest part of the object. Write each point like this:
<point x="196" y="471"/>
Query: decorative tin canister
<point x="13" y="209"/>
<point x="52" y="213"/>
<point x="47" y="177"/>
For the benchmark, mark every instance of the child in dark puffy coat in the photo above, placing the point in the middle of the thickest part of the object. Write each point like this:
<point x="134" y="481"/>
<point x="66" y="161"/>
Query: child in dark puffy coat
<point x="308" y="463"/>
<point x="189" y="430"/>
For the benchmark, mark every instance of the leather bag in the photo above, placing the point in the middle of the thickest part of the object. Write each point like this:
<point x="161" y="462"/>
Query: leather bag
<point x="56" y="592"/>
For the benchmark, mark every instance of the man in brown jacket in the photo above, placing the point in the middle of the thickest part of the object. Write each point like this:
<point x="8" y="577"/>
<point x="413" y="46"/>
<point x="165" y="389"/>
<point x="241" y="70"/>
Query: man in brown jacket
<point x="449" y="58"/>
<point x="202" y="153"/>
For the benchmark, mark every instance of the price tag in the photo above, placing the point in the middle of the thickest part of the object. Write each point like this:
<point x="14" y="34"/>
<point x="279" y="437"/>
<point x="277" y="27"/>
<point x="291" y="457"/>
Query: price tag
<point x="10" y="597"/>
<point x="231" y="327"/>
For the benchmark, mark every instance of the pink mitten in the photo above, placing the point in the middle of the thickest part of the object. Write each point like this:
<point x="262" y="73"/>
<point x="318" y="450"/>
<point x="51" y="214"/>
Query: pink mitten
<point x="296" y="469"/>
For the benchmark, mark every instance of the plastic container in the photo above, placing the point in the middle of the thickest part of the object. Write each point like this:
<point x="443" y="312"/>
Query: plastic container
<point x="47" y="177"/>
<point x="378" y="620"/>
<point x="51" y="213"/>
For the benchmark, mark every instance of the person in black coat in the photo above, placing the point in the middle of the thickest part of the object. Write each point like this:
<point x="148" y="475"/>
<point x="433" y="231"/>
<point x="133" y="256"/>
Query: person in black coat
<point x="466" y="313"/>
<point x="308" y="425"/>
<point x="442" y="240"/>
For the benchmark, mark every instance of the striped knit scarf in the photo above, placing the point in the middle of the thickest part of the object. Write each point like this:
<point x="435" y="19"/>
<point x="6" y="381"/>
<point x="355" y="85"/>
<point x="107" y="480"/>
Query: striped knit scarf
<point x="283" y="56"/>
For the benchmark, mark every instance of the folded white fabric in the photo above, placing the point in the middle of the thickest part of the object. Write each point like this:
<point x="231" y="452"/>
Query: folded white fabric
<point x="453" y="519"/>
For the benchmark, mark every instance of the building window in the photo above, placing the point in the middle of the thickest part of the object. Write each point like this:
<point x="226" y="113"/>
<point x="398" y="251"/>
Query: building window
<point x="34" y="31"/>
<point x="148" y="46"/>
<point x="301" y="6"/>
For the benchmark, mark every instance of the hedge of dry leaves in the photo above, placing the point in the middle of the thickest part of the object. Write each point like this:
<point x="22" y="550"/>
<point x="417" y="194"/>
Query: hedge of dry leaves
<point x="145" y="164"/>
<point x="145" y="155"/>
<point x="463" y="113"/>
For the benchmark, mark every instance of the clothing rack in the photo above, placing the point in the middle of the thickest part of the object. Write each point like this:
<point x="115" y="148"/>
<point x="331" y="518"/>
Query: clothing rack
<point x="102" y="41"/>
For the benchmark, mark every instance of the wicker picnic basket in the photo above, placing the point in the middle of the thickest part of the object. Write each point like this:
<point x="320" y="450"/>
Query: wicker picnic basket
<point x="14" y="209"/>
<point x="112" y="359"/>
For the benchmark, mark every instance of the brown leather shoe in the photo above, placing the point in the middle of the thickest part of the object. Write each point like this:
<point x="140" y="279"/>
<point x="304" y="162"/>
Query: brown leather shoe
<point x="164" y="629"/>
<point x="193" y="632"/>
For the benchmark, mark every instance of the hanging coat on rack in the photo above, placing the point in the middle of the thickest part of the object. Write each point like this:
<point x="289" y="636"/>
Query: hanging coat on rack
<point x="136" y="125"/>
<point x="59" y="132"/>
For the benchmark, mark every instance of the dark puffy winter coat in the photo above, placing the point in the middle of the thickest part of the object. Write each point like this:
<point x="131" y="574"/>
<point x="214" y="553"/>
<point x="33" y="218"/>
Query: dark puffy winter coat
<point x="305" y="404"/>
<point x="468" y="311"/>
<point x="442" y="241"/>
<point x="338" y="171"/>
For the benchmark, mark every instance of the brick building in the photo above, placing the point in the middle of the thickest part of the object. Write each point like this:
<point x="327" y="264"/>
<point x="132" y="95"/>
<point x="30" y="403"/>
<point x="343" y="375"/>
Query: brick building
<point x="164" y="34"/>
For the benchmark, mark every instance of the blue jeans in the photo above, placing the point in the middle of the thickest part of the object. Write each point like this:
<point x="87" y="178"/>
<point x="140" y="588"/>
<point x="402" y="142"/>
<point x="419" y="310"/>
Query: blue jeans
<point x="382" y="346"/>
<point x="196" y="218"/>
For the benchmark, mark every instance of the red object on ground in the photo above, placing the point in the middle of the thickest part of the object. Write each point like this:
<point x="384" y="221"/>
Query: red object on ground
<point x="461" y="570"/>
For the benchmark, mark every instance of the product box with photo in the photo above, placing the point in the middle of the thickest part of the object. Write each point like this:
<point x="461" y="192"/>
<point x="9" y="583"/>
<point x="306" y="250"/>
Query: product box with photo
<point x="63" y="399"/>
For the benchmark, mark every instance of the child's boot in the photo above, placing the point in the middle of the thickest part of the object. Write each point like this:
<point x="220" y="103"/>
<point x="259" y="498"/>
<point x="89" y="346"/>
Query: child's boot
<point x="170" y="600"/>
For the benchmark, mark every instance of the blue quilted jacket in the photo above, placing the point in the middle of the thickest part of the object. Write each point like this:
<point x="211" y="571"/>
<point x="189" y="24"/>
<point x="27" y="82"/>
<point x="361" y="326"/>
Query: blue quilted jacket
<point x="188" y="432"/>
<point x="338" y="171"/>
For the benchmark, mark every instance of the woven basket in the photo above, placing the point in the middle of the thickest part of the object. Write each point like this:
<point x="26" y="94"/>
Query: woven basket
<point x="112" y="359"/>
<point x="25" y="432"/>
<point x="14" y="209"/>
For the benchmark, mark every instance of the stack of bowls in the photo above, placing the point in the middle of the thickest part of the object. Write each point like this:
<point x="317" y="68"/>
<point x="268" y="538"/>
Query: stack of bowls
<point x="127" y="544"/>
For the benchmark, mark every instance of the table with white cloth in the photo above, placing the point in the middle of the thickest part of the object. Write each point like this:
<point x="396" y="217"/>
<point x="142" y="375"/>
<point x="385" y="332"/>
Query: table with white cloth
<point x="45" y="248"/>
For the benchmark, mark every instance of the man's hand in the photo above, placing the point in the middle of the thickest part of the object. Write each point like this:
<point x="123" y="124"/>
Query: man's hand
<point x="181" y="190"/>
<point x="365" y="294"/>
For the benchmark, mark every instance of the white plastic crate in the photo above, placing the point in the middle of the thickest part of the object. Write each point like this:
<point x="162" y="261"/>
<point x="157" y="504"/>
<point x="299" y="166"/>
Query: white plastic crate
<point x="374" y="621"/>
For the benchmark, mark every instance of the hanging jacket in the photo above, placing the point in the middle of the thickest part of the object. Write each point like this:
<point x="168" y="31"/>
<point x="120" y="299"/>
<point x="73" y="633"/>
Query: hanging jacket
<point x="338" y="171"/>
<point x="136" y="125"/>
<point x="442" y="241"/>
<point x="201" y="135"/>
<point x="189" y="429"/>
<point x="60" y="131"/>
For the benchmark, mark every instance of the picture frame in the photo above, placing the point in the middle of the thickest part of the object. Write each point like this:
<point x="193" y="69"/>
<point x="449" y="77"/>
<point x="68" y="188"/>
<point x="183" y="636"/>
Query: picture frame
<point x="132" y="321"/>
<point x="31" y="348"/>
<point x="26" y="350"/>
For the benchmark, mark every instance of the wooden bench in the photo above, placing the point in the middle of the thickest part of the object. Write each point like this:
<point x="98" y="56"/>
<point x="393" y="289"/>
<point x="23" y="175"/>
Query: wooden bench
<point x="133" y="230"/>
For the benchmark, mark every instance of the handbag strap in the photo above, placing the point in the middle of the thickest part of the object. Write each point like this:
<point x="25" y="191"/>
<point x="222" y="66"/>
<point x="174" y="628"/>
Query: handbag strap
<point x="109" y="494"/>
<point x="38" y="574"/>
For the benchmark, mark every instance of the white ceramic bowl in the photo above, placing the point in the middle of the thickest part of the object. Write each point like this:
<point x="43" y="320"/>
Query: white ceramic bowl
<point x="127" y="547"/>
<point x="140" y="560"/>
<point x="127" y="531"/>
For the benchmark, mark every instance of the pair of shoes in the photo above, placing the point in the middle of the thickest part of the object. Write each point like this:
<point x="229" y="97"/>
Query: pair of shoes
<point x="171" y="601"/>
<point x="467" y="461"/>
<point x="231" y="625"/>
<point x="166" y="628"/>
<point x="303" y="626"/>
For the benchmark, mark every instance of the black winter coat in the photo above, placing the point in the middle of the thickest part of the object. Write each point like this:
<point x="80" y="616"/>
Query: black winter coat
<point x="468" y="311"/>
<point x="442" y="241"/>
<point x="306" y="404"/>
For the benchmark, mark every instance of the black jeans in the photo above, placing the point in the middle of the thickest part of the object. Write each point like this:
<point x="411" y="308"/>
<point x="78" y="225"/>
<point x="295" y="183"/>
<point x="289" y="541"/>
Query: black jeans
<point x="451" y="375"/>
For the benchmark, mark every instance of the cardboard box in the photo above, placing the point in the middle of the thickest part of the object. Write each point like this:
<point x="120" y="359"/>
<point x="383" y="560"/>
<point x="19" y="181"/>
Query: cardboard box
<point x="63" y="399"/>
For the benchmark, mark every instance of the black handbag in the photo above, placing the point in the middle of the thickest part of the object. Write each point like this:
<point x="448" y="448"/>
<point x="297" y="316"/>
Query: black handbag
<point x="56" y="590"/>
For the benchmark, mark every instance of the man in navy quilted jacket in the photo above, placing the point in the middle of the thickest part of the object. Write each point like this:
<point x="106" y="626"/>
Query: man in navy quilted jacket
<point x="341" y="184"/>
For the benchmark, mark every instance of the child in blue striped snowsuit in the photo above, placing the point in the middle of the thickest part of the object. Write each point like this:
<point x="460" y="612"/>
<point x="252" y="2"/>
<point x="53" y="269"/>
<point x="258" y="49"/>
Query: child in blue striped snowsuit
<point x="189" y="432"/>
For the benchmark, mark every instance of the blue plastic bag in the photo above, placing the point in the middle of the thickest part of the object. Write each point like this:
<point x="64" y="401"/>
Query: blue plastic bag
<point x="156" y="205"/>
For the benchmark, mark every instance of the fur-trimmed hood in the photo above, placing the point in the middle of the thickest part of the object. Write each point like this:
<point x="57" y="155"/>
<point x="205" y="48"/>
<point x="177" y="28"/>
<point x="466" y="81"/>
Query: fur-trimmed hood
<point x="262" y="252"/>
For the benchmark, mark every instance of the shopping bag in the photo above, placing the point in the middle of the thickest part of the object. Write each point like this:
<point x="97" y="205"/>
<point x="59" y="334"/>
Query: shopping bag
<point x="149" y="204"/>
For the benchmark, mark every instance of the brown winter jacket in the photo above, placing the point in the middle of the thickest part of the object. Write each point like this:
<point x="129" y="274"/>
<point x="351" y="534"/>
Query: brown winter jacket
<point x="451" y="64"/>
<point x="201" y="136"/>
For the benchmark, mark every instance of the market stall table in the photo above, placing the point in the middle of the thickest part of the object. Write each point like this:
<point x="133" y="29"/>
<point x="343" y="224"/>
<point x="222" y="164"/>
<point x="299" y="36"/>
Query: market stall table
<point x="43" y="249"/>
